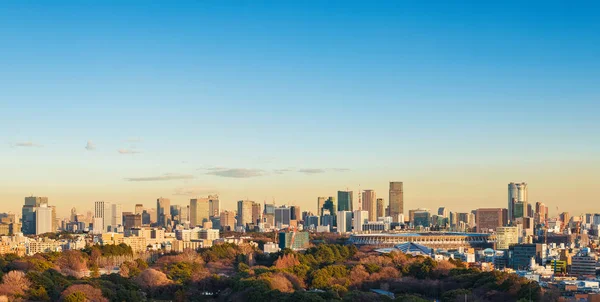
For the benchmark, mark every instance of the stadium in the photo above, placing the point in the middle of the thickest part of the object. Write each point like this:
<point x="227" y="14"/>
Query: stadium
<point x="445" y="240"/>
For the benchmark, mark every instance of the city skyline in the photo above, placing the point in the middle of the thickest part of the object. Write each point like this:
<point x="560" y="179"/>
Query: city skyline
<point x="279" y="101"/>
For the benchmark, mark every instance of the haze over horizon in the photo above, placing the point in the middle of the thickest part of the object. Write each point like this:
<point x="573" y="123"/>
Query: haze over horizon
<point x="130" y="102"/>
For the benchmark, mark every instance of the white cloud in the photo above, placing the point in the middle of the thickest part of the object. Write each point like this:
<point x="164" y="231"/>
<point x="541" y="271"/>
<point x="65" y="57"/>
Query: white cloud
<point x="311" y="171"/>
<point x="128" y="151"/>
<point x="236" y="172"/>
<point x="27" y="144"/>
<point x="164" y="177"/>
<point x="90" y="146"/>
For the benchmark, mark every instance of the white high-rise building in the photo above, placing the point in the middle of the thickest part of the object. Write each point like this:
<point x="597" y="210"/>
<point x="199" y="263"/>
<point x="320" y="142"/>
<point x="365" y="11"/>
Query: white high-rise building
<point x="517" y="192"/>
<point x="344" y="222"/>
<point x="117" y="215"/>
<point x="103" y="210"/>
<point x="360" y="218"/>
<point x="43" y="220"/>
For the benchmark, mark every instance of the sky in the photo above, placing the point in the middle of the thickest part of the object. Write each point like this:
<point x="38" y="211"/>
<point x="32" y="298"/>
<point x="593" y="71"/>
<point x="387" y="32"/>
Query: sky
<point x="128" y="101"/>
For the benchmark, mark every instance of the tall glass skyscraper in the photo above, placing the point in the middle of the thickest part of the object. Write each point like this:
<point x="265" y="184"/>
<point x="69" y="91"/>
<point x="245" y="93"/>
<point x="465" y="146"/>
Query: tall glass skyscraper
<point x="345" y="201"/>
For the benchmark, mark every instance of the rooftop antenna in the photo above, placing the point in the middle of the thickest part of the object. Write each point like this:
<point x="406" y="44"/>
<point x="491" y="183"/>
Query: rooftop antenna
<point x="359" y="199"/>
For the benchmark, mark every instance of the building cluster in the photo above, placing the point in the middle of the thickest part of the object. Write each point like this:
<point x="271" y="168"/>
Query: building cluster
<point x="521" y="237"/>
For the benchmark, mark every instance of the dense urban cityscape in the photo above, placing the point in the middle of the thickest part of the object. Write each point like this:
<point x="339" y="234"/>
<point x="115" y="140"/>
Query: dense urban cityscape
<point x="292" y="151"/>
<point x="557" y="253"/>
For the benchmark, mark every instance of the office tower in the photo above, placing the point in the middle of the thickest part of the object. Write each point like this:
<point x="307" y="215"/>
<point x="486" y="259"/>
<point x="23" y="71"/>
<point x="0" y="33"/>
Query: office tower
<point x="283" y="216"/>
<point x="227" y="220"/>
<point x="344" y="222"/>
<point x="146" y="218"/>
<point x="329" y="207"/>
<point x="295" y="212"/>
<point x="529" y="210"/>
<point x="117" y="215"/>
<point x="269" y="209"/>
<point x="28" y="213"/>
<point x="421" y="217"/>
<point x="517" y="192"/>
<point x="541" y="213"/>
<point x="43" y="219"/>
<point x="564" y="218"/>
<point x="370" y="204"/>
<point x="54" y="219"/>
<point x="199" y="211"/>
<point x="176" y="213"/>
<point x="396" y="199"/>
<point x="443" y="211"/>
<point x="184" y="214"/>
<point x="489" y="219"/>
<point x="132" y="220"/>
<point x="360" y="218"/>
<point x="163" y="211"/>
<point x="139" y="208"/>
<point x="345" y="200"/>
<point x="73" y="214"/>
<point x="380" y="212"/>
<point x="103" y="210"/>
<point x="506" y="236"/>
<point x="256" y="209"/>
<point x="214" y="206"/>
<point x="311" y="222"/>
<point x="519" y="210"/>
<point x="320" y="204"/>
<point x="244" y="214"/>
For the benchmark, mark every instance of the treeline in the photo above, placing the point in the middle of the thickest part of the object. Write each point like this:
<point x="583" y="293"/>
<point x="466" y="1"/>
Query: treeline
<point x="228" y="272"/>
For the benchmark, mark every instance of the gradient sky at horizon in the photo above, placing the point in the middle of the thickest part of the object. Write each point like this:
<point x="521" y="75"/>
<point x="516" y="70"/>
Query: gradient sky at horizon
<point x="293" y="100"/>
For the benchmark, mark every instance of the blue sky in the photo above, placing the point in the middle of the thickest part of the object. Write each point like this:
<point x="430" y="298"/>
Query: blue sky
<point x="451" y="96"/>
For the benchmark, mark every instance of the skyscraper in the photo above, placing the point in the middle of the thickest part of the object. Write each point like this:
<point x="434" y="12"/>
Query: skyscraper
<point x="116" y="215"/>
<point x="28" y="213"/>
<point x="360" y="218"/>
<point x="256" y="211"/>
<point x="320" y="204"/>
<point x="443" y="211"/>
<point x="43" y="219"/>
<point x="199" y="211"/>
<point x="517" y="192"/>
<point x="370" y="204"/>
<point x="380" y="211"/>
<point x="344" y="221"/>
<point x="163" y="211"/>
<point x="103" y="210"/>
<point x="345" y="201"/>
<point x="139" y="208"/>
<point x="244" y="213"/>
<point x="227" y="220"/>
<point x="396" y="199"/>
<point x="490" y="219"/>
<point x="283" y="215"/>
<point x="214" y="206"/>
